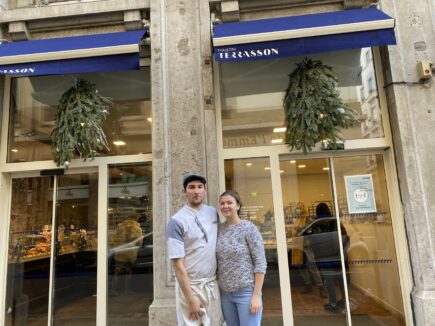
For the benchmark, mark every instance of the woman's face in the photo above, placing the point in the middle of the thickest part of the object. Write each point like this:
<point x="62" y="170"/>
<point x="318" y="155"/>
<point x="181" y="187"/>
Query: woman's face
<point x="228" y="206"/>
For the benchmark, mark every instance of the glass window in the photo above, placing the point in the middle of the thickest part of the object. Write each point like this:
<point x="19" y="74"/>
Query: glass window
<point x="253" y="92"/>
<point x="34" y="102"/>
<point x="371" y="261"/>
<point x="130" y="244"/>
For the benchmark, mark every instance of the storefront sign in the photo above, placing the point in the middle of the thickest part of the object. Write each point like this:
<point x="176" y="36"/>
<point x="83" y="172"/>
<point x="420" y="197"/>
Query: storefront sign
<point x="17" y="71"/>
<point x="234" y="53"/>
<point x="360" y="194"/>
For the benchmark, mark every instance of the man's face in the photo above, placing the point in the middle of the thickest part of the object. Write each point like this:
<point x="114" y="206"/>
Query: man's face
<point x="195" y="191"/>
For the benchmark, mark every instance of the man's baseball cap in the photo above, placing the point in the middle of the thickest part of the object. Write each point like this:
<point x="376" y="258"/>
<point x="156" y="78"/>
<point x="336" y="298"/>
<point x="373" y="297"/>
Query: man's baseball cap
<point x="193" y="177"/>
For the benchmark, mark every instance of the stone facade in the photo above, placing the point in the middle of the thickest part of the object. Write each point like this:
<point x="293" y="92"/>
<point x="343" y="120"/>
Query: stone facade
<point x="411" y="108"/>
<point x="184" y="127"/>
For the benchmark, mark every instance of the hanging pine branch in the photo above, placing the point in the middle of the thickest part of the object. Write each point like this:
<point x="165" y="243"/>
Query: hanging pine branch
<point x="80" y="114"/>
<point x="314" y="109"/>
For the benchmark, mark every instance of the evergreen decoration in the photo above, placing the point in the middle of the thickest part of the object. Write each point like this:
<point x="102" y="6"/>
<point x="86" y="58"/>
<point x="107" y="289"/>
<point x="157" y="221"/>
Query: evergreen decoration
<point x="80" y="114"/>
<point x="314" y="109"/>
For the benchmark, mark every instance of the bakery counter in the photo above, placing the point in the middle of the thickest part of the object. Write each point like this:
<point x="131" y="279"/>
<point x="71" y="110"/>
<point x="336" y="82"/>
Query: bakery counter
<point x="33" y="257"/>
<point x="71" y="260"/>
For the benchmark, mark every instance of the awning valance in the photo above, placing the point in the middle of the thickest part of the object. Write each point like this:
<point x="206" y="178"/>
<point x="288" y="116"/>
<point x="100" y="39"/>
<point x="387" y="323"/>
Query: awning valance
<point x="76" y="54"/>
<point x="302" y="35"/>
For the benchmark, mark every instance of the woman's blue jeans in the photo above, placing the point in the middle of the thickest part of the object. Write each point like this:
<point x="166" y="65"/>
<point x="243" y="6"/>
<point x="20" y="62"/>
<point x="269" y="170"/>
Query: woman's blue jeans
<point x="235" y="306"/>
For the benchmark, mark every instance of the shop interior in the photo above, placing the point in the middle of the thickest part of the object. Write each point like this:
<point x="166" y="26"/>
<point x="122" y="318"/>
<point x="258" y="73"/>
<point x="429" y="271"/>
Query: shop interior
<point x="314" y="256"/>
<point x="72" y="271"/>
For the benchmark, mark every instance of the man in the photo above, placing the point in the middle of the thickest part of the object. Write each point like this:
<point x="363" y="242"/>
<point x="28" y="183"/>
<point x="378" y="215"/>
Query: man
<point x="191" y="240"/>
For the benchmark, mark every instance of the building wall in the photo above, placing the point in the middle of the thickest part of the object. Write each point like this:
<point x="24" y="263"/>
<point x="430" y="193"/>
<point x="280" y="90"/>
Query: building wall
<point x="412" y="117"/>
<point x="184" y="134"/>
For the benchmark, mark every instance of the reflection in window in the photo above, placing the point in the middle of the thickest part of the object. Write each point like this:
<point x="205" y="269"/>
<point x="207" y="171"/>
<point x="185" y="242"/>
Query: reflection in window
<point x="130" y="243"/>
<point x="34" y="102"/>
<point x="252" y="96"/>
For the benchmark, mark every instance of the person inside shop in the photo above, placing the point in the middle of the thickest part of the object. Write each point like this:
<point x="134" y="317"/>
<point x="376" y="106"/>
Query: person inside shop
<point x="302" y="254"/>
<point x="128" y="240"/>
<point x="331" y="271"/>
<point x="333" y="274"/>
<point x="191" y="240"/>
<point x="241" y="264"/>
<point x="322" y="210"/>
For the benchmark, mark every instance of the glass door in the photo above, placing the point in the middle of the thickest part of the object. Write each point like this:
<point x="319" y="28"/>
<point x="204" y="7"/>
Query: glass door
<point x="330" y="251"/>
<point x="52" y="250"/>
<point x="313" y="243"/>
<point x="345" y="277"/>
<point x="75" y="257"/>
<point x="29" y="251"/>
<point x="252" y="180"/>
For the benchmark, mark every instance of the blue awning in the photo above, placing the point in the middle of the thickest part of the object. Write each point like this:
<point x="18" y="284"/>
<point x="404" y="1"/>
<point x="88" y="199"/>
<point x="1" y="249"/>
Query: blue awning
<point x="302" y="35"/>
<point x="75" y="54"/>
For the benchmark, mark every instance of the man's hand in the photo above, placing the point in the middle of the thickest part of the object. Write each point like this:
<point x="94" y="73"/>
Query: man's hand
<point x="195" y="308"/>
<point x="183" y="280"/>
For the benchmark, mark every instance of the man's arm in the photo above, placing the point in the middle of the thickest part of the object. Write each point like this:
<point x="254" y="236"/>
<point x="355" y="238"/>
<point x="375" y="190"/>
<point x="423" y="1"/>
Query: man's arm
<point x="183" y="281"/>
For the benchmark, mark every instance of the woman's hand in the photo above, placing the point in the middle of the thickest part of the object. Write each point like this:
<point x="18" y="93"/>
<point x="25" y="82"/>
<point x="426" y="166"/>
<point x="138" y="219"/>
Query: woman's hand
<point x="255" y="305"/>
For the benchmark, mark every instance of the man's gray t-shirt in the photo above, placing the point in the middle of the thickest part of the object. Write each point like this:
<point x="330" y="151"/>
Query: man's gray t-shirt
<point x="192" y="234"/>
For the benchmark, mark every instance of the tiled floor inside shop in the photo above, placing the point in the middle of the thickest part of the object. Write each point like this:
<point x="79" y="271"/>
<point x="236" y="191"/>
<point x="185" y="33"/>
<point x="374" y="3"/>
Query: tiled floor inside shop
<point x="308" y="310"/>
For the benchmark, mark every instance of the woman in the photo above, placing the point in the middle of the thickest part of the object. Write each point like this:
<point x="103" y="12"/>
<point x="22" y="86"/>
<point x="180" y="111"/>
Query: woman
<point x="241" y="265"/>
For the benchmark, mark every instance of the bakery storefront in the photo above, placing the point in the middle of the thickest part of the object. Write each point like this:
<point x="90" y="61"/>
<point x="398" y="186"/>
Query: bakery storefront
<point x="316" y="275"/>
<point x="76" y="239"/>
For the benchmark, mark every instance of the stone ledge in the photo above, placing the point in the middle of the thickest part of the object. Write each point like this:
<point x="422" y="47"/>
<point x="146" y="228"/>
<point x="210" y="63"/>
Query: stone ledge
<point x="71" y="10"/>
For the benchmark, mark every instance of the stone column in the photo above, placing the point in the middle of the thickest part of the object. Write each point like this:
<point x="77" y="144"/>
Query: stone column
<point x="412" y="114"/>
<point x="184" y="136"/>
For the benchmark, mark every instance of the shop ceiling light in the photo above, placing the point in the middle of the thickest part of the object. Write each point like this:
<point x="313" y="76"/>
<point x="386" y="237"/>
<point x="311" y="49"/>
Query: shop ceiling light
<point x="14" y="150"/>
<point x="249" y="164"/>
<point x="277" y="141"/>
<point x="301" y="166"/>
<point x="119" y="143"/>
<point x="267" y="168"/>
<point x="326" y="168"/>
<point x="279" y="129"/>
<point x="150" y="119"/>
<point x="292" y="161"/>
